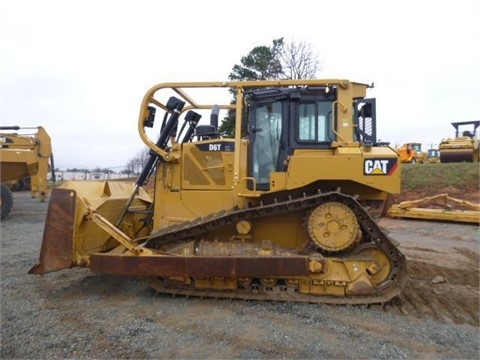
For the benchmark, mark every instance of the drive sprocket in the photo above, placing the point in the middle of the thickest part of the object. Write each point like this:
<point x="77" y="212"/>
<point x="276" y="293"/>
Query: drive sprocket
<point x="333" y="227"/>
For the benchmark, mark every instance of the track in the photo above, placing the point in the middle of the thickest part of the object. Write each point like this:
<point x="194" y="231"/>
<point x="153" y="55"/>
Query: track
<point x="454" y="301"/>
<point x="282" y="291"/>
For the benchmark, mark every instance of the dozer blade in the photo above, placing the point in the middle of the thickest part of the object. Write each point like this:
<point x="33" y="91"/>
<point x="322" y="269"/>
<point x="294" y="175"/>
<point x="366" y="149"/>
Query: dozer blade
<point x="465" y="216"/>
<point x="72" y="233"/>
<point x="57" y="242"/>
<point x="466" y="212"/>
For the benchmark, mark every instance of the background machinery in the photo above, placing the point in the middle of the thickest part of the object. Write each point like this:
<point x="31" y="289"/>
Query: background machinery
<point x="280" y="212"/>
<point x="24" y="155"/>
<point x="441" y="207"/>
<point x="433" y="156"/>
<point x="464" y="146"/>
<point x="411" y="153"/>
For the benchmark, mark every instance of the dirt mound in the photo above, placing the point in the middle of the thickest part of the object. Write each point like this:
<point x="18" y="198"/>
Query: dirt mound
<point x="442" y="293"/>
<point x="443" y="266"/>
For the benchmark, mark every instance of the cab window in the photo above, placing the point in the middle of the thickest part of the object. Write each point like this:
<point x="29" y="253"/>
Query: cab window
<point x="314" y="122"/>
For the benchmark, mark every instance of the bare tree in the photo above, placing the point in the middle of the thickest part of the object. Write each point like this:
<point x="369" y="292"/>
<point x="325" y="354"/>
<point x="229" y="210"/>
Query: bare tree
<point x="299" y="61"/>
<point x="135" y="164"/>
<point x="142" y="158"/>
<point x="130" y="166"/>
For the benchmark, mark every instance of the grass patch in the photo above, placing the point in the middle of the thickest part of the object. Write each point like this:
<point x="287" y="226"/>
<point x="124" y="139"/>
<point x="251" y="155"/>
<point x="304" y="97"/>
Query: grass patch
<point x="436" y="177"/>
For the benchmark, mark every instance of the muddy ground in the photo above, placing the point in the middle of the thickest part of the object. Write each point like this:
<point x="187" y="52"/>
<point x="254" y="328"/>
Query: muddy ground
<point x="77" y="314"/>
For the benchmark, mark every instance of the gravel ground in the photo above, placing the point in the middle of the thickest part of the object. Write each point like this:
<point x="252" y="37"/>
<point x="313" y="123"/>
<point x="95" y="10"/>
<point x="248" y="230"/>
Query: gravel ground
<point x="77" y="314"/>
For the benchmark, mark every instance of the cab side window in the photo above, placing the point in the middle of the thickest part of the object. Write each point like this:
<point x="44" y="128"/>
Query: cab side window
<point x="314" y="122"/>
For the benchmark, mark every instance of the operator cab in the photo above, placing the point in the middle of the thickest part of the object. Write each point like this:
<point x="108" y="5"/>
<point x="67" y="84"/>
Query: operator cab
<point x="283" y="120"/>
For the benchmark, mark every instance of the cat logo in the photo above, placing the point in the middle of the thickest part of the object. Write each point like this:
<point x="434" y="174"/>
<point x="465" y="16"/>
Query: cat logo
<point x="379" y="166"/>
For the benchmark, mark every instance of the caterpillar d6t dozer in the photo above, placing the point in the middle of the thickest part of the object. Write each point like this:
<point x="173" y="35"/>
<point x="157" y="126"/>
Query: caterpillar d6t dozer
<point x="24" y="155"/>
<point x="464" y="146"/>
<point x="282" y="211"/>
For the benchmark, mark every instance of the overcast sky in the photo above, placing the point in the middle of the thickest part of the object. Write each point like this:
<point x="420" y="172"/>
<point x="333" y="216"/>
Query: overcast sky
<point x="81" y="68"/>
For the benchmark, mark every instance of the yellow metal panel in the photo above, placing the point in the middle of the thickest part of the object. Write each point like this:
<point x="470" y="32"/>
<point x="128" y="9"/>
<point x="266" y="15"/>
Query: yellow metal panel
<point x="310" y="166"/>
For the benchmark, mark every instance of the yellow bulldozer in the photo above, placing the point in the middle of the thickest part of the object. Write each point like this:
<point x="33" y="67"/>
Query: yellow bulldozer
<point x="22" y="155"/>
<point x="464" y="147"/>
<point x="433" y="156"/>
<point x="284" y="211"/>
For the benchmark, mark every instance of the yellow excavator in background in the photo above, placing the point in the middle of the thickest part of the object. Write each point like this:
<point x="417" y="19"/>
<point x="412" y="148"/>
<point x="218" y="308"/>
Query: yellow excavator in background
<point x="411" y="153"/>
<point x="24" y="155"/>
<point x="284" y="211"/>
<point x="464" y="147"/>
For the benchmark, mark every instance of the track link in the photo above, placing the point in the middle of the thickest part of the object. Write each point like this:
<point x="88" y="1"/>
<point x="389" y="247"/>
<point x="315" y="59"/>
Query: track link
<point x="261" y="293"/>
